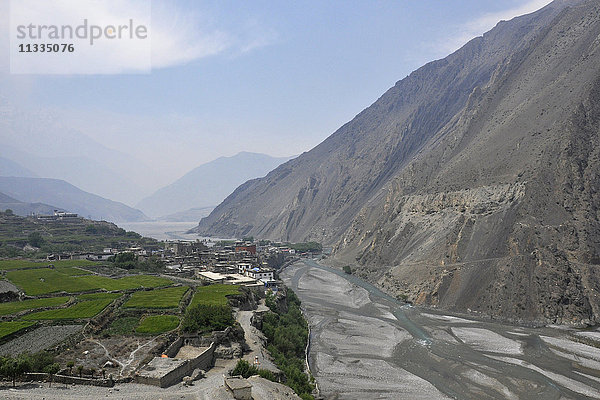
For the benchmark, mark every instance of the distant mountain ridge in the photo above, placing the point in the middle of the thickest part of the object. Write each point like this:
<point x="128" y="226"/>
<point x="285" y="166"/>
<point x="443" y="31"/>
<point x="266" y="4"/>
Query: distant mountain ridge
<point x="11" y="168"/>
<point x="25" y="209"/>
<point x="42" y="143"/>
<point x="208" y="184"/>
<point x="68" y="197"/>
<point x="471" y="185"/>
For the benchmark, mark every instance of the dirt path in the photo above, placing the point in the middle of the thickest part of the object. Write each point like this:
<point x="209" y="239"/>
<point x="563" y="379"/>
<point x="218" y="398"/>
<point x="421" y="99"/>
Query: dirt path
<point x="255" y="340"/>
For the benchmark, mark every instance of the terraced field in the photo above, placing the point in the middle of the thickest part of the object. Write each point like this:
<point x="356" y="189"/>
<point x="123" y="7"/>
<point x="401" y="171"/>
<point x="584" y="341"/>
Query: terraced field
<point x="88" y="308"/>
<point x="213" y="294"/>
<point x="10" y="327"/>
<point x="46" y="280"/>
<point x="7" y="265"/>
<point x="17" y="306"/>
<point x="156" y="324"/>
<point x="160" y="298"/>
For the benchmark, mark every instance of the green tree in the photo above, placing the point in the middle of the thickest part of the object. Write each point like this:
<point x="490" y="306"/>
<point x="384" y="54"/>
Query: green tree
<point x="126" y="260"/>
<point x="14" y="367"/>
<point x="35" y="239"/>
<point x="8" y="211"/>
<point x="207" y="318"/>
<point x="80" y="370"/>
<point x="52" y="370"/>
<point x="347" y="269"/>
<point x="70" y="365"/>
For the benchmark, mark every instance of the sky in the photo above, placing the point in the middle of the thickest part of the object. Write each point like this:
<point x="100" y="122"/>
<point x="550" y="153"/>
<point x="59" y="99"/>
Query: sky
<point x="271" y="77"/>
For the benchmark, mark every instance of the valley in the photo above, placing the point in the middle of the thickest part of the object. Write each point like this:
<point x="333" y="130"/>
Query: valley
<point x="365" y="344"/>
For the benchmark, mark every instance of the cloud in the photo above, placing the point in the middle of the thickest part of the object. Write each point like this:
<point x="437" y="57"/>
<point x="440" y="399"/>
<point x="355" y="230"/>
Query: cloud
<point x="485" y="22"/>
<point x="176" y="36"/>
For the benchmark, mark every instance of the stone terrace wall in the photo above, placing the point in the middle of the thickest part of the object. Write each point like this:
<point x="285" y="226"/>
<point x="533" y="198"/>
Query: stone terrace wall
<point x="39" y="376"/>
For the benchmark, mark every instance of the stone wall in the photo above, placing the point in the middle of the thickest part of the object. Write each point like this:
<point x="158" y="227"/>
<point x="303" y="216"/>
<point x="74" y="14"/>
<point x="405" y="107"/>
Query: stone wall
<point x="203" y="361"/>
<point x="65" y="379"/>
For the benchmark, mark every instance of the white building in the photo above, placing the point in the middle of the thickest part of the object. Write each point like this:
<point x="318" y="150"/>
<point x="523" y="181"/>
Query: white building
<point x="262" y="274"/>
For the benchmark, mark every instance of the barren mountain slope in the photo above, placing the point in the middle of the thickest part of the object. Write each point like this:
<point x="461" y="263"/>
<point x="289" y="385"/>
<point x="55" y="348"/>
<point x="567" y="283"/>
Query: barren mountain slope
<point x="318" y="194"/>
<point x="471" y="185"/>
<point x="500" y="213"/>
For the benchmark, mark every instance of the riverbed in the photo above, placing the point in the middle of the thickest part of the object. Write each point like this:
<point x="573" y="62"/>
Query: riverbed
<point x="367" y="345"/>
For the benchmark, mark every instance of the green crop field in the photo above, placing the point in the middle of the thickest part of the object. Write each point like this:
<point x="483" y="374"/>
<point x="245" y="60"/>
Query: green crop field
<point x="213" y="294"/>
<point x="98" y="296"/>
<point x="16" y="306"/>
<point x="160" y="298"/>
<point x="127" y="282"/>
<point x="45" y="280"/>
<point x="72" y="271"/>
<point x="7" y="328"/>
<point x="18" y="264"/>
<point x="156" y="324"/>
<point x="81" y="310"/>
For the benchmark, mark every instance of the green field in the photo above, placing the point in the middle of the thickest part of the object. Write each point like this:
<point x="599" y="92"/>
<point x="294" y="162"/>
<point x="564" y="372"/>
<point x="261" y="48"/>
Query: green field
<point x="17" y="264"/>
<point x="81" y="310"/>
<point x="156" y="324"/>
<point x="45" y="280"/>
<point x="213" y="294"/>
<point x="7" y="328"/>
<point x="160" y="298"/>
<point x="123" y="326"/>
<point x="16" y="306"/>
<point x="72" y="271"/>
<point x="128" y="282"/>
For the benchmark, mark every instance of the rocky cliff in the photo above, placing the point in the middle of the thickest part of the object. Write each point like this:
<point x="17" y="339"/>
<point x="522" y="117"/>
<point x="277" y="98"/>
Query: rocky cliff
<point x="472" y="184"/>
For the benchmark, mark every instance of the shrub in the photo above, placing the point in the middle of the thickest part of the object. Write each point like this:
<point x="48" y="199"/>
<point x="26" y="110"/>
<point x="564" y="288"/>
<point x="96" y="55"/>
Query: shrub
<point x="207" y="318"/>
<point x="246" y="370"/>
<point x="287" y="336"/>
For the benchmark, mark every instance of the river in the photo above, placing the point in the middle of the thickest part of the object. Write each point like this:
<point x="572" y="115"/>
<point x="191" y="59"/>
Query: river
<point x="367" y="345"/>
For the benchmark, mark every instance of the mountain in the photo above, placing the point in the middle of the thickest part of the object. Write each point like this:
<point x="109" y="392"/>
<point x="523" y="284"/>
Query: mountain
<point x="68" y="197"/>
<point x="471" y="185"/>
<point x="193" y="214"/>
<point x="208" y="184"/>
<point x="39" y="141"/>
<point x="10" y="168"/>
<point x="24" y="209"/>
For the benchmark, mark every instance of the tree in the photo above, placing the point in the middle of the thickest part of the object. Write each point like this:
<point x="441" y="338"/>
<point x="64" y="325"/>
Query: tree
<point x="103" y="373"/>
<point x="70" y="365"/>
<point x="35" y="239"/>
<point x="92" y="372"/>
<point x="80" y="370"/>
<point x="126" y="260"/>
<point x="14" y="367"/>
<point x="51" y="370"/>
<point x="347" y="269"/>
<point x="8" y="211"/>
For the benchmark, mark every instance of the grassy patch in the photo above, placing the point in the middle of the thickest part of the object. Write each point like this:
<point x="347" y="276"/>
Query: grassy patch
<point x="123" y="326"/>
<point x="17" y="306"/>
<point x="18" y="264"/>
<point x="160" y="298"/>
<point x="10" y="327"/>
<point x="156" y="324"/>
<point x="213" y="294"/>
<point x="128" y="282"/>
<point x="72" y="271"/>
<point x="81" y="310"/>
<point x="46" y="280"/>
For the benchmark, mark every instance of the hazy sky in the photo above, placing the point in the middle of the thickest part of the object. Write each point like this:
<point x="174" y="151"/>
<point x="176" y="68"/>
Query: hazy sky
<point x="275" y="77"/>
